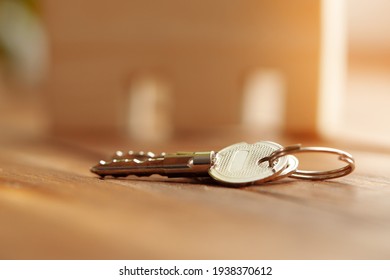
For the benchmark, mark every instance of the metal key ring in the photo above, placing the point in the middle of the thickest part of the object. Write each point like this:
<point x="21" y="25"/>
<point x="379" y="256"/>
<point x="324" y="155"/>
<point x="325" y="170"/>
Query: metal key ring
<point x="316" y="175"/>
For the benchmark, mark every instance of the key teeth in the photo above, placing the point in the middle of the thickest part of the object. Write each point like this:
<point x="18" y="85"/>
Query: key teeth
<point x="141" y="155"/>
<point x="119" y="154"/>
<point x="135" y="160"/>
<point x="150" y="154"/>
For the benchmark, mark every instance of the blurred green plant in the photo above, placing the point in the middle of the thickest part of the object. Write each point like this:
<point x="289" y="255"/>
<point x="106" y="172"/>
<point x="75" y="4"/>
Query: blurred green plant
<point x="22" y="40"/>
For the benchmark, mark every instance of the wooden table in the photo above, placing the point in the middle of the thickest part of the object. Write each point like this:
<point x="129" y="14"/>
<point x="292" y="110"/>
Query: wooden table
<point x="52" y="207"/>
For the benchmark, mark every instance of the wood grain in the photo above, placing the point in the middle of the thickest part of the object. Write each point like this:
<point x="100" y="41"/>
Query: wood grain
<point x="52" y="207"/>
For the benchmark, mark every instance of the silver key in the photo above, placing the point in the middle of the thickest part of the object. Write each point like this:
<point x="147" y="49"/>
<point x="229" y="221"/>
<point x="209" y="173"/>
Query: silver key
<point x="240" y="163"/>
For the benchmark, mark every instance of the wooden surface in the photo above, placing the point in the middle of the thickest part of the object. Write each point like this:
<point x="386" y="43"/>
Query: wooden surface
<point x="52" y="207"/>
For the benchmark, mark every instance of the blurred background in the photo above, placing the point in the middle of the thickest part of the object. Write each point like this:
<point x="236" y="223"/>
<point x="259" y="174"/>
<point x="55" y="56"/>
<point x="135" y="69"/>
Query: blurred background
<point x="157" y="70"/>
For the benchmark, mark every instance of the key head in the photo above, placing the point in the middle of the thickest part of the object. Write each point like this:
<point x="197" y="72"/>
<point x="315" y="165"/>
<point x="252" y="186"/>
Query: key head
<point x="244" y="163"/>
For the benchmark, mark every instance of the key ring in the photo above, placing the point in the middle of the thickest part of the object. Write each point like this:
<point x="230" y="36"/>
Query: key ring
<point x="316" y="175"/>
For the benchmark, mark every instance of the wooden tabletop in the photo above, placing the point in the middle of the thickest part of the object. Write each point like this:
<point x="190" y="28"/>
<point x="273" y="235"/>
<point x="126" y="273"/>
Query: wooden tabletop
<point x="52" y="207"/>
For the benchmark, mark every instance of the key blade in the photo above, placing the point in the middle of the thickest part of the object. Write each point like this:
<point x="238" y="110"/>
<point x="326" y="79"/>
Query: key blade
<point x="188" y="164"/>
<point x="121" y="167"/>
<point x="183" y="164"/>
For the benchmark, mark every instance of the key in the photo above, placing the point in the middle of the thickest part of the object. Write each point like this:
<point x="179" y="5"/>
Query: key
<point x="237" y="164"/>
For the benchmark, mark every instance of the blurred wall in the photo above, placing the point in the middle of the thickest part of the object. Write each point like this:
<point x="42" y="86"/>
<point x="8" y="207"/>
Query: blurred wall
<point x="366" y="106"/>
<point x="369" y="33"/>
<point x="202" y="50"/>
